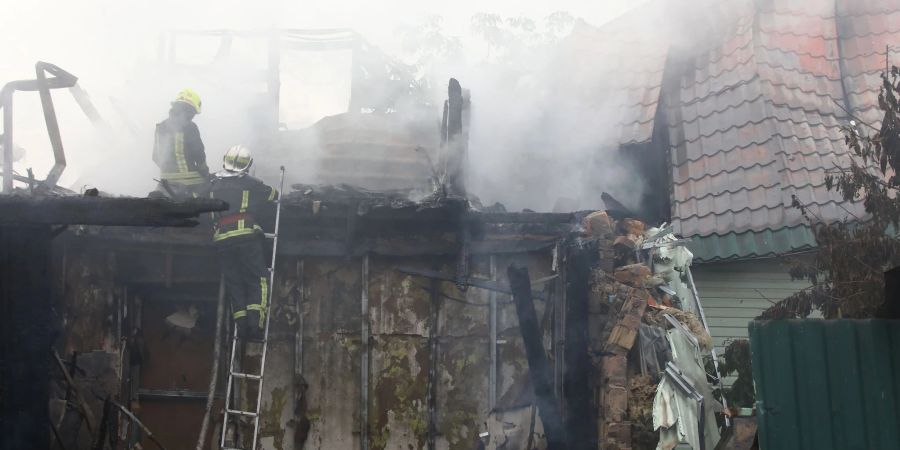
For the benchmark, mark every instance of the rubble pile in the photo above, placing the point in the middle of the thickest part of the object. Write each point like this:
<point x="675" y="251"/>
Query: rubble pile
<point x="642" y="309"/>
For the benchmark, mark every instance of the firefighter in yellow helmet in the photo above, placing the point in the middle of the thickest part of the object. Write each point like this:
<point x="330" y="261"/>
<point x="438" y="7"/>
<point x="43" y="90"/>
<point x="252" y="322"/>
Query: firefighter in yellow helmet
<point x="178" y="149"/>
<point x="240" y="240"/>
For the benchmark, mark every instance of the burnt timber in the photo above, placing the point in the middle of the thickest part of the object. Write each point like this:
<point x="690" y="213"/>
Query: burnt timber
<point x="110" y="270"/>
<point x="330" y="231"/>
<point x="355" y="224"/>
<point x="26" y="334"/>
<point x="21" y="209"/>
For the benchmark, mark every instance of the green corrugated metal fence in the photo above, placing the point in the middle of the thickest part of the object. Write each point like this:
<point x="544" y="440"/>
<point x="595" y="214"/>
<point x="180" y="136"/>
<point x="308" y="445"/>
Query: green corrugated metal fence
<point x="827" y="385"/>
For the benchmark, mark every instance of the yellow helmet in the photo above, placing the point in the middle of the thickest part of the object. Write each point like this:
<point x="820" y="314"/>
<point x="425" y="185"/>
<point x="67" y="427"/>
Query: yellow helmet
<point x="191" y="98"/>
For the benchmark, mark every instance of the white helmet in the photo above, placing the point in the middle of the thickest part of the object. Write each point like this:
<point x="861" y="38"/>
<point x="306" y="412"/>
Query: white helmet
<point x="238" y="159"/>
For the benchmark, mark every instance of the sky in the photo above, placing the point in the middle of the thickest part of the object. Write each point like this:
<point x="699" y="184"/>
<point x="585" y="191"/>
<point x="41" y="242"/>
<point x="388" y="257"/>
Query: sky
<point x="70" y="33"/>
<point x="107" y="42"/>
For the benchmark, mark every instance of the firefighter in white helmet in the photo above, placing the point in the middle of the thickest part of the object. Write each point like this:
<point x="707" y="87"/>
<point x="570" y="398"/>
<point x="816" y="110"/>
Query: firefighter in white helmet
<point x="240" y="240"/>
<point x="178" y="149"/>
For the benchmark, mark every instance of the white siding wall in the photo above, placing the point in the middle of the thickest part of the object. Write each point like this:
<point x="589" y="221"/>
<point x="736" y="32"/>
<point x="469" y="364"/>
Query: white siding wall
<point x="734" y="293"/>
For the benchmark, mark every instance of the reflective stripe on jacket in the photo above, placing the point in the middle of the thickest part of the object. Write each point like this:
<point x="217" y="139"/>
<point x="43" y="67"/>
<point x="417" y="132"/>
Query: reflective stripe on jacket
<point x="180" y="153"/>
<point x="249" y="200"/>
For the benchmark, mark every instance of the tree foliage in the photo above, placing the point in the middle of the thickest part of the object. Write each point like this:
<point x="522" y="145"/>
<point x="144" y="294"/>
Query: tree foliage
<point x="427" y="42"/>
<point x="513" y="38"/>
<point x="509" y="42"/>
<point x="737" y="362"/>
<point x="846" y="274"/>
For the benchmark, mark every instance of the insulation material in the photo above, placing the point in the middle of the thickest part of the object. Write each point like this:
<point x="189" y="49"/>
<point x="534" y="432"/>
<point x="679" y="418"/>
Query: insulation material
<point x="675" y="414"/>
<point x="655" y="316"/>
<point x="671" y="263"/>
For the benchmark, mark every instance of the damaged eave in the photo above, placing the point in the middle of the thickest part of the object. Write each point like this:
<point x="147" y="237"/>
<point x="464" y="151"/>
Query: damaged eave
<point x="32" y="210"/>
<point x="342" y="228"/>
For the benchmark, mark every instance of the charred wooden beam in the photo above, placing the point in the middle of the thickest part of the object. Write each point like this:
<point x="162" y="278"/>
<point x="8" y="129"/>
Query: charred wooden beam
<point x="454" y="138"/>
<point x="522" y="217"/>
<point x="576" y="381"/>
<point x="20" y="210"/>
<point x="465" y="247"/>
<point x="538" y="366"/>
<point x="433" y="360"/>
<point x="25" y="337"/>
<point x="153" y="241"/>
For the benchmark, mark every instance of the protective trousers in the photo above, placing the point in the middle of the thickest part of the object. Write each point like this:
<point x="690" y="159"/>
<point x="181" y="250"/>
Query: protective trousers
<point x="246" y="280"/>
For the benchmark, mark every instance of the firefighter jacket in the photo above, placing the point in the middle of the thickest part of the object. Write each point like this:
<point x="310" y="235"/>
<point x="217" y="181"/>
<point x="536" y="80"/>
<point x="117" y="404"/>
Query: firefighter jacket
<point x="179" y="153"/>
<point x="250" y="202"/>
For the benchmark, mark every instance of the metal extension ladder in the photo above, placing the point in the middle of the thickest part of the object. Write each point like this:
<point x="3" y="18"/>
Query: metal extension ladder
<point x="232" y="372"/>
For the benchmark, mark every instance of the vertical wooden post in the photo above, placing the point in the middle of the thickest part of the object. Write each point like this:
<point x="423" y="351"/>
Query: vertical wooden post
<point x="538" y="365"/>
<point x="579" y="412"/>
<point x="25" y="337"/>
<point x="364" y="359"/>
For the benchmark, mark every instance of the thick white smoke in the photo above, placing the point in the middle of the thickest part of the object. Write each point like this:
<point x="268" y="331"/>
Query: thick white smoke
<point x="529" y="144"/>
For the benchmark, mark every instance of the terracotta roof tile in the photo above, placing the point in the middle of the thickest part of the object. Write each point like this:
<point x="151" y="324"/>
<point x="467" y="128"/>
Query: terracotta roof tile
<point x="629" y="61"/>
<point x="753" y="109"/>
<point x="746" y="137"/>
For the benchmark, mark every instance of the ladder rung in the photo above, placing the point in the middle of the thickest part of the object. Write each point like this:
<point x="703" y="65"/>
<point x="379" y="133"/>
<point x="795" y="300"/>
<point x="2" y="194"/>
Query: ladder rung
<point x="271" y="235"/>
<point x="248" y="376"/>
<point x="240" y="413"/>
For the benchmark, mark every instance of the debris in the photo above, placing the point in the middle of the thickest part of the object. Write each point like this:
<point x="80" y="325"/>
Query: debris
<point x="615" y="208"/>
<point x="599" y="225"/>
<point x="633" y="275"/>
<point x="625" y="244"/>
<point x="184" y="320"/>
<point x="641" y="392"/>
<point x="632" y="227"/>
<point x="85" y="409"/>
<point x="684" y="407"/>
<point x="625" y="330"/>
<point x="139" y="423"/>
<point x="512" y="429"/>
<point x="655" y="317"/>
<point x="654" y="349"/>
<point x="621" y="291"/>
<point x="740" y="436"/>
<point x="615" y="429"/>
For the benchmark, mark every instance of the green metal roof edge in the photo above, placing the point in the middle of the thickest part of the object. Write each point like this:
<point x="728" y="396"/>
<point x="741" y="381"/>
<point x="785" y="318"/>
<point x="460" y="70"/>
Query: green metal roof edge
<point x="751" y="244"/>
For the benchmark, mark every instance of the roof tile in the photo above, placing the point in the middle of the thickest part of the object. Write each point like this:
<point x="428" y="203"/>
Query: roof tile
<point x="753" y="110"/>
<point x="629" y="75"/>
